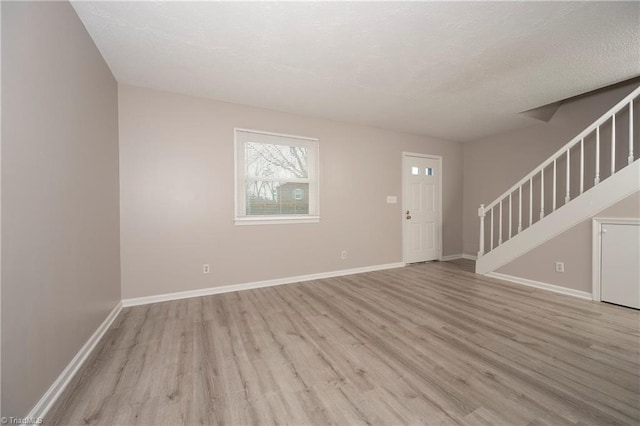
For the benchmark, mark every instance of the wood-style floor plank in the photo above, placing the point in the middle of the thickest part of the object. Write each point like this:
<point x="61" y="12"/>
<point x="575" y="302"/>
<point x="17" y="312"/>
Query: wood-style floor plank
<point x="426" y="344"/>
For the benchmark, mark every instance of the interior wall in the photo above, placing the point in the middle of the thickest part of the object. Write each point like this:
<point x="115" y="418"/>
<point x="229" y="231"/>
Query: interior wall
<point x="177" y="196"/>
<point x="573" y="247"/>
<point x="60" y="215"/>
<point x="492" y="165"/>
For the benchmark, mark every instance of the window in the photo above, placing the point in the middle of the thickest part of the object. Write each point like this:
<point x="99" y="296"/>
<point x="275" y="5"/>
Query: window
<point x="428" y="171"/>
<point x="276" y="178"/>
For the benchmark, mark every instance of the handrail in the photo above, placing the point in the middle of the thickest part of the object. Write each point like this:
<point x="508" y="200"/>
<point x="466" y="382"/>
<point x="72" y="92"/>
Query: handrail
<point x="586" y="132"/>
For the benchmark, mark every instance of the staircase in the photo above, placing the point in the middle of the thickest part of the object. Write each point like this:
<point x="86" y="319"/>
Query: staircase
<point x="594" y="170"/>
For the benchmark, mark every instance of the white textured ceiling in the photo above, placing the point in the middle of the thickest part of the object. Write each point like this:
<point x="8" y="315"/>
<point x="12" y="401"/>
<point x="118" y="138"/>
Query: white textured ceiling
<point x="458" y="71"/>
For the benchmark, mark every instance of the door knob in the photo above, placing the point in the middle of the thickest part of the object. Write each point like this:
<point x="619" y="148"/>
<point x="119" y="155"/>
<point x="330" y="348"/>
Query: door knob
<point x="408" y="215"/>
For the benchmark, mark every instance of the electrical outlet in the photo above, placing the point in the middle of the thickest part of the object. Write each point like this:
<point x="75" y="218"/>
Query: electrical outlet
<point x="343" y="255"/>
<point x="559" y="266"/>
<point x="205" y="268"/>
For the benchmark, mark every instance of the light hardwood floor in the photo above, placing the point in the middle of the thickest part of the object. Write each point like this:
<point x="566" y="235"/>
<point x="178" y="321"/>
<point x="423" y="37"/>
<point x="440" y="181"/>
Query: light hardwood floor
<point x="426" y="344"/>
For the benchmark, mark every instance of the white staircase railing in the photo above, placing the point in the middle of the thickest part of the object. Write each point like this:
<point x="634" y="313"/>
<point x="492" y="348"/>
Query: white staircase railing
<point x="569" y="173"/>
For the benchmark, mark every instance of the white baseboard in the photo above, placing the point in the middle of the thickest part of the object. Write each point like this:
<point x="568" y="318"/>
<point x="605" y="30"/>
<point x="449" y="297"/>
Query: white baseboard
<point x="538" y="284"/>
<point x="55" y="390"/>
<point x="252" y="285"/>
<point x="451" y="257"/>
<point x="458" y="256"/>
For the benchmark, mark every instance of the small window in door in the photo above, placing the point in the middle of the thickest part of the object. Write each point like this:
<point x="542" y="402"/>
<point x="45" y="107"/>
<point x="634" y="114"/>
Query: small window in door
<point x="428" y="171"/>
<point x="415" y="170"/>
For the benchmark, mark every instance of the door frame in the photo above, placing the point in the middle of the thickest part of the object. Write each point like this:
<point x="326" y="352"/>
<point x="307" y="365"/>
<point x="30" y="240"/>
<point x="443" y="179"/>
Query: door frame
<point x="406" y="154"/>
<point x="596" y="249"/>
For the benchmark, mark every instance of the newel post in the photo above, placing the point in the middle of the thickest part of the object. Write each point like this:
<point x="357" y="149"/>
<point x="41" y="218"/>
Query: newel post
<point x="481" y="214"/>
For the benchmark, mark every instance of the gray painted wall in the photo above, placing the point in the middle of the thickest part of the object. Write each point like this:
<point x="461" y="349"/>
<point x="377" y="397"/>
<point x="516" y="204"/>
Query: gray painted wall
<point x="573" y="247"/>
<point x="177" y="183"/>
<point x="60" y="220"/>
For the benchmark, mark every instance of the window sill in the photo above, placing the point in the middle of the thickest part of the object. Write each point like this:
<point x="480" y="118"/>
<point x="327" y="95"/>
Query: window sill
<point x="275" y="220"/>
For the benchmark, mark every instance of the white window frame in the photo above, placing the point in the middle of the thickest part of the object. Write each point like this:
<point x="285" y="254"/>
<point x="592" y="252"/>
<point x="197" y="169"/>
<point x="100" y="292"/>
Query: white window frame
<point x="313" y="144"/>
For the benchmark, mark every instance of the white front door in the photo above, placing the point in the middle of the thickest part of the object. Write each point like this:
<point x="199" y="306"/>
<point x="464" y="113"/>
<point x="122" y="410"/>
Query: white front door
<point x="421" y="208"/>
<point x="620" y="272"/>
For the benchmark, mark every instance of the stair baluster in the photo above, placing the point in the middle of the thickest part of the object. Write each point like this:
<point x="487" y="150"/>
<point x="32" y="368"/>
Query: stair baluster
<point x="567" y="197"/>
<point x="510" y="213"/>
<point x="541" y="194"/>
<point x="500" y="225"/>
<point x="520" y="209"/>
<point x="596" y="180"/>
<point x="581" y="166"/>
<point x="613" y="144"/>
<point x="553" y="202"/>
<point x="530" y="201"/>
<point x="491" y="228"/>
<point x="630" y="159"/>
